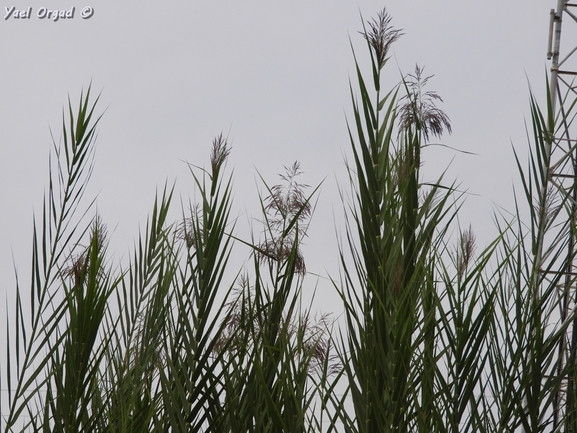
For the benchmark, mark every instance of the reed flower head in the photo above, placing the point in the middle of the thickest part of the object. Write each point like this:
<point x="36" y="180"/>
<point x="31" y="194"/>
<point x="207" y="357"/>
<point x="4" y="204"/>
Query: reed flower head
<point x="218" y="154"/>
<point x="418" y="107"/>
<point x="286" y="207"/>
<point x="465" y="251"/>
<point x="381" y="36"/>
<point x="78" y="265"/>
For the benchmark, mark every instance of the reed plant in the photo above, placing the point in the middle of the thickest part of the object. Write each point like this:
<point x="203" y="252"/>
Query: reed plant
<point x="442" y="338"/>
<point x="437" y="335"/>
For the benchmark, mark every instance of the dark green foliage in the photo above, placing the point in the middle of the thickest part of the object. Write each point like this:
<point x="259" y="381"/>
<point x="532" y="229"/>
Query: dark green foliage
<point x="434" y="338"/>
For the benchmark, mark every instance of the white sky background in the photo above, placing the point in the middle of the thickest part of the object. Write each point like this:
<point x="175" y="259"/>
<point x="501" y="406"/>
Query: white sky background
<point x="274" y="77"/>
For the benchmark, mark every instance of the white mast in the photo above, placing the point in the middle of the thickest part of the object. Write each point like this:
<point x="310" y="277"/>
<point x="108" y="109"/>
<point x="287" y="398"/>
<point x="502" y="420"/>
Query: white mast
<point x="561" y="188"/>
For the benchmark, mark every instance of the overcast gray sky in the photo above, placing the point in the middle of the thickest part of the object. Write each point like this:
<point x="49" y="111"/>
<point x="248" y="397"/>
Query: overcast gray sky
<point x="273" y="76"/>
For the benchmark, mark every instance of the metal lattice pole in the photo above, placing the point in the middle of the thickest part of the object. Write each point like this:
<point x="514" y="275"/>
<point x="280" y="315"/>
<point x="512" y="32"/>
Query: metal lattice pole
<point x="562" y="184"/>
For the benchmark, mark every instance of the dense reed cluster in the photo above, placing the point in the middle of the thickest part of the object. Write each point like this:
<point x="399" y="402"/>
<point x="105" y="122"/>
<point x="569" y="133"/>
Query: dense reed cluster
<point x="434" y="337"/>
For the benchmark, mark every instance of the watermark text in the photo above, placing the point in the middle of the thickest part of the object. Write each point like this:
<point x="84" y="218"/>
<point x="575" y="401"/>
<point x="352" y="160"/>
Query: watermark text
<point x="10" y="12"/>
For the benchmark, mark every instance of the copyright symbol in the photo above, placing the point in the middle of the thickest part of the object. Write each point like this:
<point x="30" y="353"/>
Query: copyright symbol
<point x="87" y="12"/>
